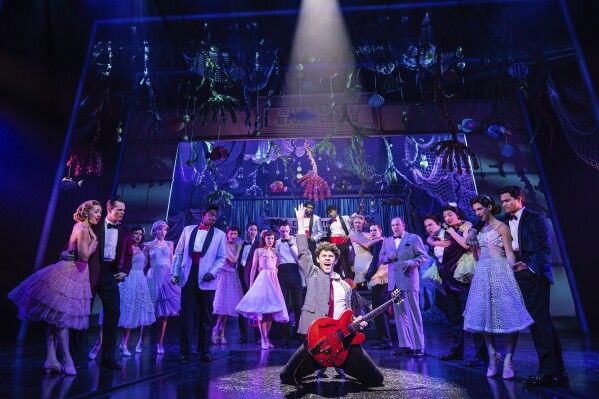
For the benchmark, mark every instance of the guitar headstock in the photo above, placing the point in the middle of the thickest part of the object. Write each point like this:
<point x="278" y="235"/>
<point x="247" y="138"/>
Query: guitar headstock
<point x="397" y="296"/>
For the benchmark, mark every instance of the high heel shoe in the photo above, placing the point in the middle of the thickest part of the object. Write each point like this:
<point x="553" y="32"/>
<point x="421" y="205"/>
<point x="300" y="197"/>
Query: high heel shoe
<point x="69" y="370"/>
<point x="124" y="350"/>
<point x="215" y="337"/>
<point x="138" y="347"/>
<point x="264" y="344"/>
<point x="508" y="370"/>
<point x="159" y="349"/>
<point x="493" y="362"/>
<point x="222" y="338"/>
<point x="53" y="367"/>
<point x="94" y="352"/>
<point x="270" y="345"/>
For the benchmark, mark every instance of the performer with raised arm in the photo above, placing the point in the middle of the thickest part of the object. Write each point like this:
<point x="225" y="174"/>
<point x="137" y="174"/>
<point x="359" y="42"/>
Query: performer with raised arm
<point x="327" y="295"/>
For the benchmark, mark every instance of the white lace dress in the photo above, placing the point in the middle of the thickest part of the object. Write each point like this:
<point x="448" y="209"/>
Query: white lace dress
<point x="137" y="308"/>
<point x="495" y="303"/>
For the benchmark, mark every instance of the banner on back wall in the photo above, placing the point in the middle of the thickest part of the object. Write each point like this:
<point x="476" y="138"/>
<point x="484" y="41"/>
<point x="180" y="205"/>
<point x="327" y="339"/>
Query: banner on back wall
<point x="272" y="223"/>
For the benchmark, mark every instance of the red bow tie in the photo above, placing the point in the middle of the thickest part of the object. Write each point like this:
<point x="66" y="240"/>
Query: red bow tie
<point x="204" y="227"/>
<point x="333" y="220"/>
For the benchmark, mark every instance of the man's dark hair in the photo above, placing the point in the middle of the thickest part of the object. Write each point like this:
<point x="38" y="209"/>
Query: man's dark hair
<point x="432" y="217"/>
<point x="309" y="203"/>
<point x="283" y="223"/>
<point x="331" y="208"/>
<point x="514" y="191"/>
<point x="232" y="228"/>
<point x="209" y="207"/>
<point x="111" y="203"/>
<point x="251" y="223"/>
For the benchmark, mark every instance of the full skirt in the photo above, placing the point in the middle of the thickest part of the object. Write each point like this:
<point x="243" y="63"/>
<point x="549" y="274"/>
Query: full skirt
<point x="264" y="297"/>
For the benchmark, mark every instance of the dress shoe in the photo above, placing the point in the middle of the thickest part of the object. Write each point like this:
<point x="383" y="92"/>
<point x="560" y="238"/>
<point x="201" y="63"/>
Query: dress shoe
<point x="183" y="359"/>
<point x="215" y="336"/>
<point x="493" y="362"/>
<point x="94" y="352"/>
<point x="382" y="345"/>
<point x="476" y="362"/>
<point x="563" y="377"/>
<point x="138" y="347"/>
<point x="206" y="358"/>
<point x="223" y="340"/>
<point x="69" y="369"/>
<point x="508" y="371"/>
<point x="416" y="353"/>
<point x="270" y="345"/>
<point x="53" y="367"/>
<point x="264" y="345"/>
<point x="159" y="349"/>
<point x="111" y="364"/>
<point x="242" y="340"/>
<point x="401" y="351"/>
<point x="285" y="344"/>
<point x="124" y="350"/>
<point x="542" y="380"/>
<point x="451" y="356"/>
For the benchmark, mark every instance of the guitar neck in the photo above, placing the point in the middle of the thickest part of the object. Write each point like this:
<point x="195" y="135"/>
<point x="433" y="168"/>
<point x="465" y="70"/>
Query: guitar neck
<point x="374" y="313"/>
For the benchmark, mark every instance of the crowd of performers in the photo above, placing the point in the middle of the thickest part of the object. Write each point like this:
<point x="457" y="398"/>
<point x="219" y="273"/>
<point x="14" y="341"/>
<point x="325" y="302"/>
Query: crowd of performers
<point x="495" y="276"/>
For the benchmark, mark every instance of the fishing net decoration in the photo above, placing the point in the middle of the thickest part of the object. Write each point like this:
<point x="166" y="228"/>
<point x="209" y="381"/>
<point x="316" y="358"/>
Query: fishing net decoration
<point x="571" y="103"/>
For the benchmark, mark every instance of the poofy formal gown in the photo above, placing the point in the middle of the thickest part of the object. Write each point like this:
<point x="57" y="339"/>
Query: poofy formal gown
<point x="137" y="308"/>
<point x="495" y="304"/>
<point x="58" y="294"/>
<point x="228" y="290"/>
<point x="265" y="295"/>
<point x="165" y="296"/>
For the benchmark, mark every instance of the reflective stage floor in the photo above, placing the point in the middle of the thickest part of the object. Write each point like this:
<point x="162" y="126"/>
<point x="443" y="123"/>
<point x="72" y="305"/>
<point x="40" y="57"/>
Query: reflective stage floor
<point x="246" y="371"/>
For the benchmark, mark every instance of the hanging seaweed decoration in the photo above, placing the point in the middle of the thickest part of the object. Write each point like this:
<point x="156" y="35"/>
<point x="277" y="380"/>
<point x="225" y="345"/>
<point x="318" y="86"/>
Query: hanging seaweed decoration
<point x="218" y="197"/>
<point x="210" y="63"/>
<point x="315" y="186"/>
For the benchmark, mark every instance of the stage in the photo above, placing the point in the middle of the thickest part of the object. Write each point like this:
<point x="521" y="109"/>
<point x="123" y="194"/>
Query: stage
<point x="246" y="371"/>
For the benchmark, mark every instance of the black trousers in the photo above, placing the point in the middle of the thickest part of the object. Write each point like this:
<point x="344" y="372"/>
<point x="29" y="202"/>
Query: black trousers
<point x="291" y="285"/>
<point x="535" y="291"/>
<point x="358" y="365"/>
<point x="195" y="303"/>
<point x="456" y="304"/>
<point x="380" y="295"/>
<point x="312" y="247"/>
<point x="241" y="321"/>
<point x="107" y="289"/>
<point x="343" y="266"/>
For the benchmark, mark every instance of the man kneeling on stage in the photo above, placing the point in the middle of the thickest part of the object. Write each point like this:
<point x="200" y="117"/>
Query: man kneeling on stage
<point x="327" y="296"/>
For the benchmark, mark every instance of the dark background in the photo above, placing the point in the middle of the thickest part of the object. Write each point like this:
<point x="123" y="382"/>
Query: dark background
<point x="42" y="50"/>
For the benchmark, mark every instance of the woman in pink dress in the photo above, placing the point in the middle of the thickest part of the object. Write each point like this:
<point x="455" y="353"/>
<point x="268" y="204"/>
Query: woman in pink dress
<point x="60" y="294"/>
<point x="264" y="300"/>
<point x="228" y="288"/>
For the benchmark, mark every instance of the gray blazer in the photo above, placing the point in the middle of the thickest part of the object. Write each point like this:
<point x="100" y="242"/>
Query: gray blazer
<point x="410" y="249"/>
<point x="318" y="287"/>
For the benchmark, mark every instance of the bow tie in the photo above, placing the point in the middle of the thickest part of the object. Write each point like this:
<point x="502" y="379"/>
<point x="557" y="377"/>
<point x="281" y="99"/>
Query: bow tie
<point x="112" y="226"/>
<point x="398" y="237"/>
<point x="333" y="220"/>
<point x="512" y="217"/>
<point x="287" y="241"/>
<point x="204" y="227"/>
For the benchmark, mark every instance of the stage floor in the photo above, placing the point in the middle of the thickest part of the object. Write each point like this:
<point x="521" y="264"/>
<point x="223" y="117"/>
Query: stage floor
<point x="246" y="371"/>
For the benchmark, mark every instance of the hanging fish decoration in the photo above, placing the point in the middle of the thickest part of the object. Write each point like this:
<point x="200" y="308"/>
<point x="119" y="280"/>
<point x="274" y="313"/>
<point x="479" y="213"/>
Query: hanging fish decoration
<point x="376" y="100"/>
<point x="67" y="183"/>
<point x="277" y="187"/>
<point x="508" y="150"/>
<point x="494" y="131"/>
<point x="467" y="125"/>
<point x="218" y="153"/>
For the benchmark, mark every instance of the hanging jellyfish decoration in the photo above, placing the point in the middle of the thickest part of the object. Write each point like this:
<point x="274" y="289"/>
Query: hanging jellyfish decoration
<point x="315" y="186"/>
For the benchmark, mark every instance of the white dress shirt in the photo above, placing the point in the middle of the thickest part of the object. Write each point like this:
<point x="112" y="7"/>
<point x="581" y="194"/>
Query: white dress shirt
<point x="199" y="242"/>
<point x="287" y="251"/>
<point x="340" y="303"/>
<point x="514" y="224"/>
<point x="111" y="237"/>
<point x="246" y="252"/>
<point x="336" y="228"/>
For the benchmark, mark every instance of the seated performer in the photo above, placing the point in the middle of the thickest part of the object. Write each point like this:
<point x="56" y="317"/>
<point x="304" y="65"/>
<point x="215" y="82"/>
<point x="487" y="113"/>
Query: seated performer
<point x="319" y="283"/>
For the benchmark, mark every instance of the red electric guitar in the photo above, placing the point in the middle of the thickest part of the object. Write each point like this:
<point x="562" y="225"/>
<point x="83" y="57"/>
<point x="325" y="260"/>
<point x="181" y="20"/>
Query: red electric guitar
<point x="329" y="339"/>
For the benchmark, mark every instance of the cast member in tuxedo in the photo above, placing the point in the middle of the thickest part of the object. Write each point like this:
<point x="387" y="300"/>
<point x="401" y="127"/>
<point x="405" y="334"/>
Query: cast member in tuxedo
<point x="109" y="265"/>
<point x="404" y="253"/>
<point x="531" y="242"/>
<point x="378" y="277"/>
<point x="289" y="278"/>
<point x="327" y="295"/>
<point x="246" y="256"/>
<point x="312" y="227"/>
<point x="199" y="256"/>
<point x="339" y="235"/>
